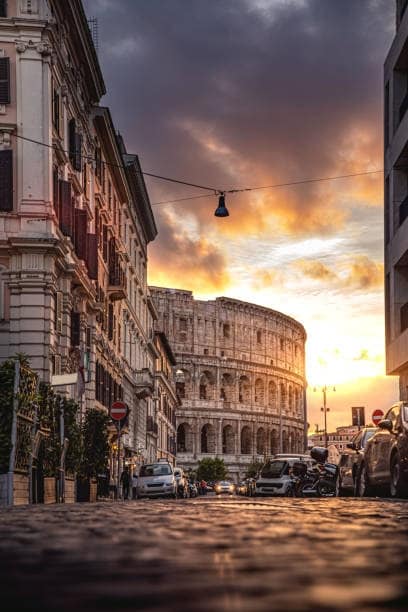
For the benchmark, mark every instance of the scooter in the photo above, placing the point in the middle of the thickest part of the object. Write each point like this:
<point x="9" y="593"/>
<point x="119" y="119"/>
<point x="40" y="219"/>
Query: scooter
<point x="319" y="481"/>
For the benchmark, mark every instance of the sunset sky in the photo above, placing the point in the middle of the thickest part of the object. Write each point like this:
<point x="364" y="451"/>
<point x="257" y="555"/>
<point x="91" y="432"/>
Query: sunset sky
<point x="244" y="93"/>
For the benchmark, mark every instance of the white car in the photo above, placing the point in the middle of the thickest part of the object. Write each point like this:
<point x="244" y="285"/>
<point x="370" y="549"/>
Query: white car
<point x="156" y="480"/>
<point x="274" y="478"/>
<point x="224" y="486"/>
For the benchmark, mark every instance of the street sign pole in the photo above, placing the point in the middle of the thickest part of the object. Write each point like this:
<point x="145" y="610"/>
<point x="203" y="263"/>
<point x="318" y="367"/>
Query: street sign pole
<point x="118" y="474"/>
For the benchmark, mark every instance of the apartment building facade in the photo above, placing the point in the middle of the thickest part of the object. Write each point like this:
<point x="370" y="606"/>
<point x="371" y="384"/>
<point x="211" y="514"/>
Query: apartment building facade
<point x="75" y="219"/>
<point x="396" y="200"/>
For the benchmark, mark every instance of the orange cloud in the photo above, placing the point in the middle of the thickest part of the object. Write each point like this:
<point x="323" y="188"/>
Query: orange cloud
<point x="315" y="270"/>
<point x="265" y="279"/>
<point x="365" y="273"/>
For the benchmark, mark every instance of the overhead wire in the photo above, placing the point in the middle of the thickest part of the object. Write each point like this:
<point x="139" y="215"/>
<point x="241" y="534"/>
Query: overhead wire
<point x="215" y="191"/>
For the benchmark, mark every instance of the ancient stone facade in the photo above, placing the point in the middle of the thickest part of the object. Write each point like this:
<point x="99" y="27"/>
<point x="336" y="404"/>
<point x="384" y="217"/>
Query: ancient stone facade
<point x="240" y="376"/>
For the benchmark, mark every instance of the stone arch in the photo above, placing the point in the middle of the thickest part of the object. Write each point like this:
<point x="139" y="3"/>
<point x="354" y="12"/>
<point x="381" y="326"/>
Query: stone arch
<point x="285" y="448"/>
<point x="261" y="441"/>
<point x="227" y="387"/>
<point x="291" y="441"/>
<point x="206" y="385"/>
<point x="283" y="396"/>
<point x="290" y="398"/>
<point x="244" y="390"/>
<point x="246" y="440"/>
<point x="259" y="391"/>
<point x="297" y="400"/>
<point x="207" y="438"/>
<point x="184" y="438"/>
<point x="183" y="383"/>
<point x="228" y="440"/>
<point x="274" y="442"/>
<point x="272" y="395"/>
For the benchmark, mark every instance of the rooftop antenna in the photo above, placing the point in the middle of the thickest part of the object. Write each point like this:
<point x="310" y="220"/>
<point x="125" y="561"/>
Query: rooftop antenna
<point x="93" y="27"/>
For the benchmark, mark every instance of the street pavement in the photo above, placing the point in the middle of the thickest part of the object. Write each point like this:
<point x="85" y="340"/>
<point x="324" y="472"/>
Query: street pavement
<point x="208" y="554"/>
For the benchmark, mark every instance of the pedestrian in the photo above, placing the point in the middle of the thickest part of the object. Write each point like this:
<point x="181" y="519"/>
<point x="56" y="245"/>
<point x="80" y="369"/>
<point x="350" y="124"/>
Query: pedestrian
<point x="203" y="486"/>
<point x="134" y="485"/>
<point x="125" y="482"/>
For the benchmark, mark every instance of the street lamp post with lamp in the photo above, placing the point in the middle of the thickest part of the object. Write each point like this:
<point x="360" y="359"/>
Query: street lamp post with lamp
<point x="325" y="409"/>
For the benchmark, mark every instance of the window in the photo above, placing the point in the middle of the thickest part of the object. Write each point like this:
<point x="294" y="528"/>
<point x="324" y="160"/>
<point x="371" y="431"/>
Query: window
<point x="281" y="344"/>
<point x="183" y="324"/>
<point x="6" y="180"/>
<point x="56" y="109"/>
<point x="259" y="336"/>
<point x="226" y="330"/>
<point x="3" y="8"/>
<point x="4" y="80"/>
<point x="75" y="328"/>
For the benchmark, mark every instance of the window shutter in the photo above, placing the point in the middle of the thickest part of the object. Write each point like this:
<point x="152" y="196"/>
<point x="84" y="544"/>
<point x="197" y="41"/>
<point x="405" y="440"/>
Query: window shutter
<point x="105" y="243"/>
<point x="75" y="328"/>
<point x="55" y="192"/>
<point x="110" y="321"/>
<point x="77" y="161"/>
<point x="92" y="256"/>
<point x="6" y="180"/>
<point x="71" y="140"/>
<point x="81" y="226"/>
<point x="58" y="312"/>
<point x="66" y="209"/>
<point x="4" y="80"/>
<point x="3" y="8"/>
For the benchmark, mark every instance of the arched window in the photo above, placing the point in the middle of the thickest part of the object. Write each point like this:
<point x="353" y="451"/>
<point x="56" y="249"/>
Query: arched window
<point x="184" y="438"/>
<point x="283" y="396"/>
<point x="246" y="441"/>
<point x="227" y="387"/>
<point x="285" y="448"/>
<point x="228" y="442"/>
<point x="259" y="391"/>
<point x="272" y="395"/>
<point x="290" y="399"/>
<point x="261" y="441"/>
<point x="208" y="439"/>
<point x="274" y="442"/>
<point x="206" y="385"/>
<point x="244" y="390"/>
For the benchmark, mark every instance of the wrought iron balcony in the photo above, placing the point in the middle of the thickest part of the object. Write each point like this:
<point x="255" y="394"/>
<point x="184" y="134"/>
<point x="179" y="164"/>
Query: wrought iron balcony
<point x="117" y="285"/>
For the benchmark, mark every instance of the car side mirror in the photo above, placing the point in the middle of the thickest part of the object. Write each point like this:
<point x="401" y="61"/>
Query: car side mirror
<point x="386" y="424"/>
<point x="351" y="445"/>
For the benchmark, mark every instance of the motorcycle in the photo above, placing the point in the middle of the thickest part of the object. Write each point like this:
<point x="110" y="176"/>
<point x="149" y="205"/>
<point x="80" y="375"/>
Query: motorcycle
<point x="319" y="481"/>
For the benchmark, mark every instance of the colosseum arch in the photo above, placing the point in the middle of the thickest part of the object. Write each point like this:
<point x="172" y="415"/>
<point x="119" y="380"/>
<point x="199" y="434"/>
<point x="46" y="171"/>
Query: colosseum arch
<point x="274" y="442"/>
<point x="283" y="396"/>
<point x="207" y="439"/>
<point x="261" y="441"/>
<point x="184" y="438"/>
<point x="183" y="383"/>
<point x="290" y="399"/>
<point x="207" y="385"/>
<point x="227" y="387"/>
<point x="272" y="395"/>
<point x="244" y="390"/>
<point x="285" y="448"/>
<point x="291" y="441"/>
<point x="228" y="440"/>
<point x="246" y="440"/>
<point x="259" y="391"/>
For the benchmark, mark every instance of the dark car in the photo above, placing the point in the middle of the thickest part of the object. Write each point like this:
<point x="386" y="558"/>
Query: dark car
<point x="385" y="463"/>
<point x="350" y="461"/>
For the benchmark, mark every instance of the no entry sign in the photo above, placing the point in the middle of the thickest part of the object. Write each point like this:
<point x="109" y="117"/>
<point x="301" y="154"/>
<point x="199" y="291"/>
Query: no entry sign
<point x="118" y="410"/>
<point x="378" y="416"/>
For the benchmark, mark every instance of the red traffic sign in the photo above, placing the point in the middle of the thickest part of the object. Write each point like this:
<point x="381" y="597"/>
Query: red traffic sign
<point x="377" y="416"/>
<point x="118" y="410"/>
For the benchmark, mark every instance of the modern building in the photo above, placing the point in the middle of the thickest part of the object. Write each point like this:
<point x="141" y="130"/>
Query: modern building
<point x="396" y="200"/>
<point x="75" y="219"/>
<point x="240" y="378"/>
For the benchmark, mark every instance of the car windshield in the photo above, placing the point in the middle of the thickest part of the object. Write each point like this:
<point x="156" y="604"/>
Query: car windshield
<point x="367" y="435"/>
<point x="155" y="470"/>
<point x="274" y="469"/>
<point x="224" y="483"/>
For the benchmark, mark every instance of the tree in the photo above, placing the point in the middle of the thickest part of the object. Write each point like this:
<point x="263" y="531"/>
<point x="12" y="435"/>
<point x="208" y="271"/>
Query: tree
<point x="211" y="469"/>
<point x="95" y="455"/>
<point x="253" y="469"/>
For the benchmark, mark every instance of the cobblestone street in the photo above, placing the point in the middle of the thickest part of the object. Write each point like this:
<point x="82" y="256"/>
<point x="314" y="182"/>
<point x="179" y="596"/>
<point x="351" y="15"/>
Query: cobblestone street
<point x="207" y="555"/>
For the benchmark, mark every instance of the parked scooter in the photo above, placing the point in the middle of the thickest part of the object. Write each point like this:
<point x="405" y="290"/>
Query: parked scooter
<point x="319" y="481"/>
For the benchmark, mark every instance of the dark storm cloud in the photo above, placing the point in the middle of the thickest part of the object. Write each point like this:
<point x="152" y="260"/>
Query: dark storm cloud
<point x="244" y="92"/>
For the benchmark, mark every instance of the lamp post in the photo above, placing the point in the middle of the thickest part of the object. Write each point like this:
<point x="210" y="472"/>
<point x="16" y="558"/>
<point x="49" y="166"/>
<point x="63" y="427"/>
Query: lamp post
<point x="325" y="409"/>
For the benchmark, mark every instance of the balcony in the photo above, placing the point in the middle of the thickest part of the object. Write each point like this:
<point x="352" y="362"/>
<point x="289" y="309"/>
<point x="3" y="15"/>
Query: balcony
<point x="151" y="426"/>
<point x="117" y="285"/>
<point x="144" y="383"/>
<point x="403" y="107"/>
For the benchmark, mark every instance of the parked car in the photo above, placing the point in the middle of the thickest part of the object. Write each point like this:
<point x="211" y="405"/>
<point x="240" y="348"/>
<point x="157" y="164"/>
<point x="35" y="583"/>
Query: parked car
<point x="385" y="462"/>
<point x="224" y="486"/>
<point x="156" y="480"/>
<point x="181" y="481"/>
<point x="275" y="478"/>
<point x="350" y="461"/>
<point x="242" y="488"/>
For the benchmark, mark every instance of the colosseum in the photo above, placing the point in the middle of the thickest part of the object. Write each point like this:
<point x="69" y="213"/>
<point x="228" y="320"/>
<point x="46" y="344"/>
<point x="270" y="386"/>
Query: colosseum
<point x="240" y="377"/>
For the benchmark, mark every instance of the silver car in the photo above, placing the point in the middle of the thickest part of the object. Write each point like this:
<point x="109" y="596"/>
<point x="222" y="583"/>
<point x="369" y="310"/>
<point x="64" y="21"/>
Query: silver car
<point x="156" y="480"/>
<point x="275" y="478"/>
